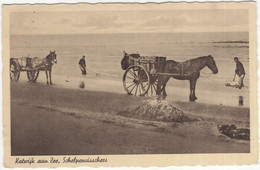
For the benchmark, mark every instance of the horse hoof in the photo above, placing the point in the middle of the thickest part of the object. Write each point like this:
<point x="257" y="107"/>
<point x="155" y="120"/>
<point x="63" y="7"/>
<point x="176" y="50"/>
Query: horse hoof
<point x="164" y="97"/>
<point x="158" y="97"/>
<point x="193" y="98"/>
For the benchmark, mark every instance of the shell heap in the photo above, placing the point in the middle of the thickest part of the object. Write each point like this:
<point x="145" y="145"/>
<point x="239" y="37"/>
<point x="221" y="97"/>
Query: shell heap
<point x="160" y="110"/>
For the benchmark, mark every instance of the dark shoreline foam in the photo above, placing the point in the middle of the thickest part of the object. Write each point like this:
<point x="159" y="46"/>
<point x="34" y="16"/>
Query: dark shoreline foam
<point x="231" y="46"/>
<point x="230" y="42"/>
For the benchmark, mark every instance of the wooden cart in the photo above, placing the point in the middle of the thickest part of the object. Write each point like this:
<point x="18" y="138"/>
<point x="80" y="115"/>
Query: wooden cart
<point x="24" y="64"/>
<point x="140" y="78"/>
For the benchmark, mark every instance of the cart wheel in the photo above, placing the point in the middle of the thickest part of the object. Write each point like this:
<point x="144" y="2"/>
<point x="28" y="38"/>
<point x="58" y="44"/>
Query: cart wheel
<point x="32" y="75"/>
<point x="153" y="85"/>
<point x="14" y="71"/>
<point x="136" y="81"/>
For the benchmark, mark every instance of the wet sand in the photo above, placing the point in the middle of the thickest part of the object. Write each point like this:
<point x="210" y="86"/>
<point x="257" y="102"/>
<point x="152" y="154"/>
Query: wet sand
<point x="55" y="120"/>
<point x="207" y="91"/>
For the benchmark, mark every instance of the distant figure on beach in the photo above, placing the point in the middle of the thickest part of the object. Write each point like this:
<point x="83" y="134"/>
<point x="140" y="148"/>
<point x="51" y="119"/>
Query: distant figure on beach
<point x="82" y="66"/>
<point x="240" y="72"/>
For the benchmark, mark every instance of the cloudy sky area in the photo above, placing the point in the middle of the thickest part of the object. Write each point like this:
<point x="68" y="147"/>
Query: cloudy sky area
<point x="82" y="22"/>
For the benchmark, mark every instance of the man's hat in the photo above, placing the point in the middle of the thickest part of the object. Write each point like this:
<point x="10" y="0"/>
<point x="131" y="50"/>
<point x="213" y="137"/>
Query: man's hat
<point x="235" y="58"/>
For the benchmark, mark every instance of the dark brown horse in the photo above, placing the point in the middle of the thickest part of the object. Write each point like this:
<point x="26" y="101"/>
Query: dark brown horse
<point x="188" y="70"/>
<point x="48" y="62"/>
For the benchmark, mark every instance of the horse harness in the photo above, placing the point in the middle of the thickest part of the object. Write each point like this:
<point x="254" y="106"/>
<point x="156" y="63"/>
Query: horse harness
<point x="181" y="69"/>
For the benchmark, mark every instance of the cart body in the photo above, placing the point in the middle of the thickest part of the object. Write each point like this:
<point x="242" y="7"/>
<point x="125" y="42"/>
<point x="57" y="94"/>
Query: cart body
<point x="140" y="78"/>
<point x="31" y="65"/>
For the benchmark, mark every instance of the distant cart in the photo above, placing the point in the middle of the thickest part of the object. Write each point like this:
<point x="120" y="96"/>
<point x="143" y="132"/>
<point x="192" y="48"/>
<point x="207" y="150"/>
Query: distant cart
<point x="141" y="76"/>
<point x="24" y="64"/>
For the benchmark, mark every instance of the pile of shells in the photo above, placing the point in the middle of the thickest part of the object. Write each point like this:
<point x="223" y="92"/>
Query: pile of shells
<point x="152" y="109"/>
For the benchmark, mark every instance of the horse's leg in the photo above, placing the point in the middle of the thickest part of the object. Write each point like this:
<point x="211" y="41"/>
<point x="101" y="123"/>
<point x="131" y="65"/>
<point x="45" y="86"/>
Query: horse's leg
<point x="46" y="72"/>
<point x="194" y="85"/>
<point x="163" y="90"/>
<point x="164" y="85"/>
<point x="162" y="80"/>
<point x="192" y="89"/>
<point x="159" y="84"/>
<point x="50" y="76"/>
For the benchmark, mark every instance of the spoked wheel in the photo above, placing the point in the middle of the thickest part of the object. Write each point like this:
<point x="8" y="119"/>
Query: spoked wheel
<point x="14" y="71"/>
<point x="136" y="81"/>
<point x="32" y="75"/>
<point x="153" y="85"/>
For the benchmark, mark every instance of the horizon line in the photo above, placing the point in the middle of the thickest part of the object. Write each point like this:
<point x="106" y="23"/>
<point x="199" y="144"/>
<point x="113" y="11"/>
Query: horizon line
<point x="130" y="33"/>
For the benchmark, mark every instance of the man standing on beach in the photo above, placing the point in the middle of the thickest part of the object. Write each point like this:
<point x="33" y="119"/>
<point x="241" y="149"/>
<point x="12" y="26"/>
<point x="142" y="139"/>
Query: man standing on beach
<point x="82" y="65"/>
<point x="240" y="71"/>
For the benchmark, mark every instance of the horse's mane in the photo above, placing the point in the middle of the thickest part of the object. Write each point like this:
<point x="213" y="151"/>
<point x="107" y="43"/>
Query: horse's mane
<point x="198" y="58"/>
<point x="191" y="60"/>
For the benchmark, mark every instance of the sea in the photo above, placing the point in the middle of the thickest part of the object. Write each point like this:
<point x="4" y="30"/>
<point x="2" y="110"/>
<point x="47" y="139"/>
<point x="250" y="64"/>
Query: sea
<point x="104" y="53"/>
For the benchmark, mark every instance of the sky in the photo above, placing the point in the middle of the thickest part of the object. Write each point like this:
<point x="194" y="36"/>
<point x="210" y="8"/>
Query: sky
<point x="128" y="21"/>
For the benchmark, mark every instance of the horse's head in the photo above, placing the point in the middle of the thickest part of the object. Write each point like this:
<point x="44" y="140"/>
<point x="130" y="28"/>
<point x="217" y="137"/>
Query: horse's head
<point x="52" y="57"/>
<point x="125" y="61"/>
<point x="211" y="64"/>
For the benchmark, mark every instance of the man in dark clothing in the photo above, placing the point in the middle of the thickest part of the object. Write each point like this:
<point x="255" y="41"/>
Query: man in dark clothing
<point x="82" y="65"/>
<point x="240" y="71"/>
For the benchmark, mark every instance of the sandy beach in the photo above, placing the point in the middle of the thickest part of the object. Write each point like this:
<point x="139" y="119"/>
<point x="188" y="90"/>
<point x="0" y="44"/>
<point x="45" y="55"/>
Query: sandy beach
<point x="67" y="120"/>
